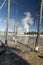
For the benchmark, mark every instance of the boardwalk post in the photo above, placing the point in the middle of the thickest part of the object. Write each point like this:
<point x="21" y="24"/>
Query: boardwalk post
<point x="7" y="21"/>
<point x="39" y="27"/>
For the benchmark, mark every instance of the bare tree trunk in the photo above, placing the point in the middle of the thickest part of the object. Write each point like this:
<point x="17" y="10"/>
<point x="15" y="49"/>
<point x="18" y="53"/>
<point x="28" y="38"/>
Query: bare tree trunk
<point x="6" y="32"/>
<point x="15" y="26"/>
<point x="39" y="27"/>
<point x="7" y="21"/>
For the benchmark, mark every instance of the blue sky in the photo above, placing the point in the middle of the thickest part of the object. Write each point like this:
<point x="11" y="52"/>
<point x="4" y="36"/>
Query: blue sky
<point x="27" y="11"/>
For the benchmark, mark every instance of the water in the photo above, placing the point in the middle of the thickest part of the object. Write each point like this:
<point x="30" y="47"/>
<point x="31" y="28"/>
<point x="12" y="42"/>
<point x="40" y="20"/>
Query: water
<point x="2" y="37"/>
<point x="30" y="40"/>
<point x="23" y="39"/>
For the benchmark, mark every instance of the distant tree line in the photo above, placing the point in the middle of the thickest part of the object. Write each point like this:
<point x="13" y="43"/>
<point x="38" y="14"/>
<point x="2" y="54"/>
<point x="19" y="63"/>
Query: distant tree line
<point x="32" y="33"/>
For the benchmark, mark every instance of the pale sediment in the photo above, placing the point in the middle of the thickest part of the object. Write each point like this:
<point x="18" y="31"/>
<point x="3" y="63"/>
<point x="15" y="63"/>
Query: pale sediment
<point x="18" y="53"/>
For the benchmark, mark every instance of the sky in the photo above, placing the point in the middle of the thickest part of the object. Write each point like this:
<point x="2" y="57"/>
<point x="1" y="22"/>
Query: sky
<point x="23" y="13"/>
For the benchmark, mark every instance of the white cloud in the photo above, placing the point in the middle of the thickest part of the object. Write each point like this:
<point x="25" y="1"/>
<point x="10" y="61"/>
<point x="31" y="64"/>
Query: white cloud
<point x="12" y="24"/>
<point x="3" y="22"/>
<point x="26" y="26"/>
<point x="28" y="19"/>
<point x="20" y="30"/>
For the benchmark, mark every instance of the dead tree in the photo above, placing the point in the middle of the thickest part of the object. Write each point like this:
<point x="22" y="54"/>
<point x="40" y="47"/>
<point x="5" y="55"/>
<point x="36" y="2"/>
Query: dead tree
<point x="39" y="27"/>
<point x="7" y="21"/>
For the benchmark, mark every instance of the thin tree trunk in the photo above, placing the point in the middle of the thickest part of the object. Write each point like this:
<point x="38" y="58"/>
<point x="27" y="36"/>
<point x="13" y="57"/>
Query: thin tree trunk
<point x="6" y="32"/>
<point x="7" y="21"/>
<point x="39" y="27"/>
